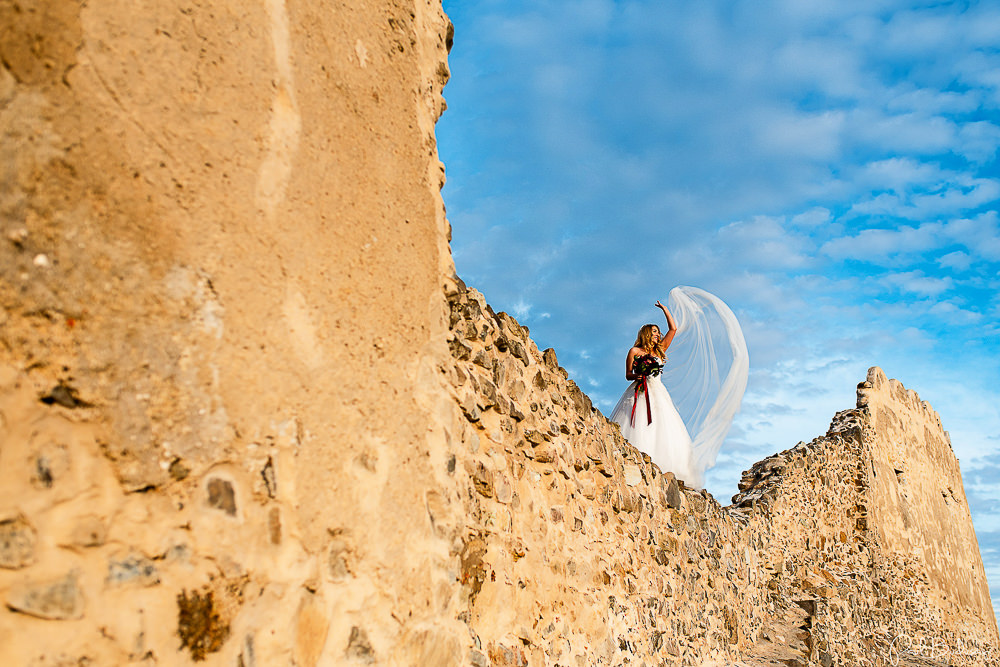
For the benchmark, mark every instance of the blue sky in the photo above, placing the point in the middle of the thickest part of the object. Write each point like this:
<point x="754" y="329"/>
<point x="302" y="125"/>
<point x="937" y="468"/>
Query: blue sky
<point x="828" y="168"/>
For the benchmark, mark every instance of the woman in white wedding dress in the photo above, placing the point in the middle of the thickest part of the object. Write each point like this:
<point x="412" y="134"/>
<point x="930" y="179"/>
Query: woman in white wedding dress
<point x="646" y="413"/>
<point x="708" y="374"/>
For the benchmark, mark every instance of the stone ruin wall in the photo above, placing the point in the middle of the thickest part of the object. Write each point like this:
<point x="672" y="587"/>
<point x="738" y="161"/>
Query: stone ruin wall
<point x="575" y="548"/>
<point x="918" y="496"/>
<point x="222" y="251"/>
<point x="248" y="416"/>
<point x="558" y="508"/>
<point x="872" y="599"/>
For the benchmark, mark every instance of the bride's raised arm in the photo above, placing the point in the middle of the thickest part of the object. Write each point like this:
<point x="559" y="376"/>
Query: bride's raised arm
<point x="671" y="327"/>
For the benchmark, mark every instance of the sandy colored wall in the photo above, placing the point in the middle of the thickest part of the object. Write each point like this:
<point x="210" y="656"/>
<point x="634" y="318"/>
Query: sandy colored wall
<point x="221" y="270"/>
<point x="829" y="534"/>
<point x="920" y="512"/>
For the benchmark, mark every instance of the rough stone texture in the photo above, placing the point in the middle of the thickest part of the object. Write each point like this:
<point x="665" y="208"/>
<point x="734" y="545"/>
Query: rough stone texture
<point x="17" y="543"/>
<point x="835" y="531"/>
<point x="248" y="415"/>
<point x="60" y="599"/>
<point x="598" y="558"/>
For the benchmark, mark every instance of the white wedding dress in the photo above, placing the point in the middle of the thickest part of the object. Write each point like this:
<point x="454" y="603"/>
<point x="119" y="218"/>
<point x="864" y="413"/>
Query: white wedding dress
<point x="665" y="438"/>
<point x="707" y="372"/>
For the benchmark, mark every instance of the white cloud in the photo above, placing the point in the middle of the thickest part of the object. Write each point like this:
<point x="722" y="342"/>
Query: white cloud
<point x="909" y="32"/>
<point x="797" y="135"/>
<point x="906" y="188"/>
<point x="906" y="133"/>
<point x="928" y="101"/>
<point x="915" y="282"/>
<point x="761" y="242"/>
<point x="897" y="246"/>
<point x="830" y="65"/>
<point x="900" y="174"/>
<point x="881" y="204"/>
<point x="958" y="260"/>
<point x="978" y="141"/>
<point x="812" y="218"/>
<point x="980" y="235"/>
<point x="522" y="309"/>
<point x="953" y="313"/>
<point x="967" y="194"/>
<point x="883" y="246"/>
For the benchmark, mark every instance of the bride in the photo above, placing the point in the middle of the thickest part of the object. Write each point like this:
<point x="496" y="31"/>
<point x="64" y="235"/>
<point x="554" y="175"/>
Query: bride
<point x="646" y="412"/>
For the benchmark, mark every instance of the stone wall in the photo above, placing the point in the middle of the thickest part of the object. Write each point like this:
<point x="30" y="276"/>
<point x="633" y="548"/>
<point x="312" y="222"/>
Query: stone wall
<point x="918" y="501"/>
<point x="575" y="548"/>
<point x="248" y="415"/>
<point x="830" y="527"/>
<point x="559" y="508"/>
<point x="222" y="250"/>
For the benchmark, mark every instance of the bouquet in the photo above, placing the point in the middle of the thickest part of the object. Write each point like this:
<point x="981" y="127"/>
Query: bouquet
<point x="646" y="365"/>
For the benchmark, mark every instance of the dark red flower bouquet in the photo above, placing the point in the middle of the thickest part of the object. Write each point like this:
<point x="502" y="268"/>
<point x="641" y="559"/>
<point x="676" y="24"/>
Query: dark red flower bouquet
<point x="647" y="365"/>
<point x="644" y="367"/>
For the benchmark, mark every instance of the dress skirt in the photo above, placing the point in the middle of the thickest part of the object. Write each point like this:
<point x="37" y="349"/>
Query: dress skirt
<point x="664" y="438"/>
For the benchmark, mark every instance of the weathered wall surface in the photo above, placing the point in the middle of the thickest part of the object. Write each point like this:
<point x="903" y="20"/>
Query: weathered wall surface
<point x="221" y="269"/>
<point x="918" y="500"/>
<point x="831" y="524"/>
<point x="249" y="417"/>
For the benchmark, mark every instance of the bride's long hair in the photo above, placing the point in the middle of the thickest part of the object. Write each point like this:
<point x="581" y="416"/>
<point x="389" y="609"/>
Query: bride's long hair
<point x="648" y="341"/>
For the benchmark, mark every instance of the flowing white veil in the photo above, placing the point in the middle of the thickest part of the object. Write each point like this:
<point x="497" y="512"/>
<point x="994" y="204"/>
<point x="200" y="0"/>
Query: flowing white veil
<point x="708" y="339"/>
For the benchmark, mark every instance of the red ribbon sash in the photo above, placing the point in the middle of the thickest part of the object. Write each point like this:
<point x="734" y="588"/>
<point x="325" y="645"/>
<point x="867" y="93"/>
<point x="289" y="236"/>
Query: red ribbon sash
<point x="635" y="400"/>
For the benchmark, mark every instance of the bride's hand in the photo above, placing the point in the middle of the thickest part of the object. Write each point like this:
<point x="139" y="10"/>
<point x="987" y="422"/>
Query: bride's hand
<point x="671" y="324"/>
